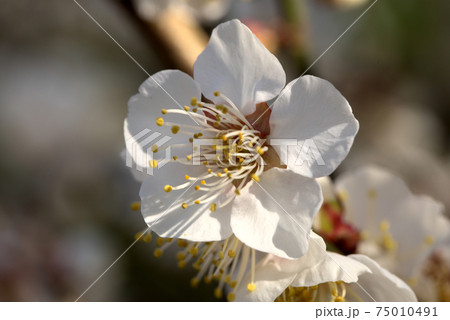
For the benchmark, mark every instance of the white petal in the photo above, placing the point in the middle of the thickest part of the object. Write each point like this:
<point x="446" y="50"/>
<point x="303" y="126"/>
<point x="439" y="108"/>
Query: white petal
<point x="381" y="285"/>
<point x="331" y="267"/>
<point x="274" y="274"/>
<point x="275" y="215"/>
<point x="237" y="64"/>
<point x="312" y="112"/>
<point x="165" y="216"/>
<point x="168" y="89"/>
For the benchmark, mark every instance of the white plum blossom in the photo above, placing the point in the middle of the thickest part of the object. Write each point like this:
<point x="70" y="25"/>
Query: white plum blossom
<point x="396" y="228"/>
<point x="224" y="177"/>
<point x="325" y="277"/>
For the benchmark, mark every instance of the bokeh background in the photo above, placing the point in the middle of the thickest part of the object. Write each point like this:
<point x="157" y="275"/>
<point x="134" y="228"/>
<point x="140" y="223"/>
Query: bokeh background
<point x="65" y="191"/>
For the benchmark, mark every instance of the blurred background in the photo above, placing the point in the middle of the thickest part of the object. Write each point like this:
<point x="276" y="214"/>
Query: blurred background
<point x="65" y="191"/>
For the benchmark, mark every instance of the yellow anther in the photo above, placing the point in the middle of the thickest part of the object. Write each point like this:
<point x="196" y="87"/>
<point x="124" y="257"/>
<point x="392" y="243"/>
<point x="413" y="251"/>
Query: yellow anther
<point x="181" y="264"/>
<point x="214" y="147"/>
<point x="194" y="110"/>
<point x="225" y="170"/>
<point x="213" y="207"/>
<point x="241" y="160"/>
<point x="181" y="256"/>
<point x="186" y="108"/>
<point x="219" y="174"/>
<point x="154" y="148"/>
<point x="224" y="110"/>
<point x="221" y="255"/>
<point x="191" y="140"/>
<point x="251" y="287"/>
<point x="175" y="158"/>
<point x="260" y="150"/>
<point x="224" y="138"/>
<point x="429" y="240"/>
<point x="216" y="124"/>
<point x="231" y="296"/>
<point x="208" y="279"/>
<point x="205" y="163"/>
<point x="182" y="243"/>
<point x="138" y="235"/>
<point x="241" y="136"/>
<point x="372" y="193"/>
<point x="203" y="182"/>
<point x="233" y="284"/>
<point x="389" y="243"/>
<point x="197" y="188"/>
<point x="160" y="242"/>
<point x="160" y="122"/>
<point x="158" y="253"/>
<point x="135" y="206"/>
<point x="186" y="177"/>
<point x="153" y="163"/>
<point x="255" y="177"/>
<point x="384" y="225"/>
<point x="231" y="253"/>
<point x="169" y="239"/>
<point x="168" y="188"/>
<point x="193" y="251"/>
<point x="184" y="205"/>
<point x="217" y="93"/>
<point x="193" y="101"/>
<point x="209" y="170"/>
<point x="148" y="237"/>
<point x="194" y="282"/>
<point x="218" y="293"/>
<point x="189" y="157"/>
<point x="163" y="111"/>
<point x="229" y="175"/>
<point x="197" y="201"/>
<point x="339" y="299"/>
<point x="175" y="129"/>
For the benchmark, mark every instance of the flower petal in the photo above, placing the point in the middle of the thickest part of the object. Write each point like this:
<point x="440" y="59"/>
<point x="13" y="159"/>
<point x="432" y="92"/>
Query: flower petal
<point x="164" y="214"/>
<point x="274" y="274"/>
<point x="166" y="89"/>
<point x="331" y="267"/>
<point x="380" y="283"/>
<point x="313" y="113"/>
<point x="237" y="64"/>
<point x="275" y="214"/>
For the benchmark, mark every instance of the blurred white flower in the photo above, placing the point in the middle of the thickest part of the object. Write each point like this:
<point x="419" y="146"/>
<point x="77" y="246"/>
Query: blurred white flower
<point x="397" y="229"/>
<point x="232" y="182"/>
<point x="323" y="276"/>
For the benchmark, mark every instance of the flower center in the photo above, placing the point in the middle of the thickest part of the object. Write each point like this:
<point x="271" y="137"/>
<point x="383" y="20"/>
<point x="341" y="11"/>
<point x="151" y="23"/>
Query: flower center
<point x="330" y="291"/>
<point x="224" y="142"/>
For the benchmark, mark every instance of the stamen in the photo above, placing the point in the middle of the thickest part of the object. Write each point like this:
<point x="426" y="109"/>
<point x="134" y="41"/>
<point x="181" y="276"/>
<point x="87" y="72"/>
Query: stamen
<point x="135" y="206"/>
